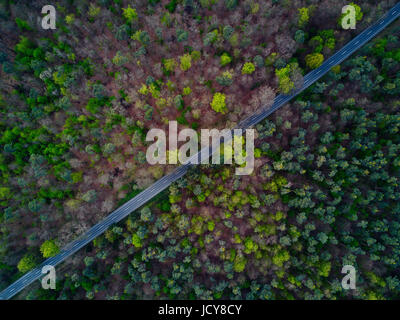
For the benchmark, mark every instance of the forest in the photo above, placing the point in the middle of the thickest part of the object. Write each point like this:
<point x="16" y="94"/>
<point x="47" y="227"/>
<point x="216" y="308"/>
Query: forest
<point x="76" y="104"/>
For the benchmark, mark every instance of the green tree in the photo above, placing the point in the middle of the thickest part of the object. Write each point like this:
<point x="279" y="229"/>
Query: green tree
<point x="225" y="59"/>
<point x="225" y="79"/>
<point x="248" y="68"/>
<point x="129" y="14"/>
<point x="136" y="241"/>
<point x="49" y="249"/>
<point x="239" y="263"/>
<point x="314" y="60"/>
<point x="5" y="193"/>
<point x="324" y="269"/>
<point x="119" y="59"/>
<point x="304" y="17"/>
<point x="218" y="102"/>
<point x="186" y="62"/>
<point x="286" y="85"/>
<point x="26" y="263"/>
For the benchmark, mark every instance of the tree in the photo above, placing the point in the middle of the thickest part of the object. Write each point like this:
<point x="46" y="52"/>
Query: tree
<point x="122" y="32"/>
<point x="304" y="17"/>
<point x="324" y="269"/>
<point x="314" y="60"/>
<point x="119" y="59"/>
<point x="89" y="196"/>
<point x="93" y="11"/>
<point x="225" y="59"/>
<point x="49" y="249"/>
<point x="218" y="102"/>
<point x="299" y="36"/>
<point x="181" y="35"/>
<point x="70" y="18"/>
<point x="210" y="37"/>
<point x="146" y="215"/>
<point x="26" y="263"/>
<point x="108" y="149"/>
<point x="280" y="257"/>
<point x="286" y="85"/>
<point x="186" y="62"/>
<point x="22" y="24"/>
<point x="129" y="14"/>
<point x="5" y="193"/>
<point x="248" y="68"/>
<point x="169" y="64"/>
<point x="239" y="263"/>
<point x="136" y="241"/>
<point x="225" y="79"/>
<point x="231" y="4"/>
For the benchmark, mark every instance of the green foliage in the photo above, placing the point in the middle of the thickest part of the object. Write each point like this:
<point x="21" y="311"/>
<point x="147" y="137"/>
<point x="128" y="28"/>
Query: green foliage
<point x="210" y="37"/>
<point x="286" y="85"/>
<point x="49" y="249"/>
<point x="119" y="59"/>
<point x="231" y="4"/>
<point x="181" y="35"/>
<point x="89" y="196"/>
<point x="22" y="24"/>
<point x="225" y="79"/>
<point x="239" y="263"/>
<point x="129" y="14"/>
<point x="248" y="68"/>
<point x="5" y="193"/>
<point x="136" y="241"/>
<point x="325" y="269"/>
<point x="186" y="91"/>
<point x="186" y="62"/>
<point x="218" y="102"/>
<point x="70" y="18"/>
<point x="304" y="17"/>
<point x="171" y="6"/>
<point x="225" y="59"/>
<point x="299" y="36"/>
<point x="28" y="262"/>
<point x="314" y="60"/>
<point x="281" y="257"/>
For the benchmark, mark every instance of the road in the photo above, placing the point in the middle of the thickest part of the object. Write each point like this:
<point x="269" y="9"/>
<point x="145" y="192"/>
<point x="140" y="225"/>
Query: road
<point x="147" y="194"/>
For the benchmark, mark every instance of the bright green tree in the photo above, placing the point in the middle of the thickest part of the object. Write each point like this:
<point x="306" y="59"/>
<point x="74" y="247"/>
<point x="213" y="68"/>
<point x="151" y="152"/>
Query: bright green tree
<point x="129" y="14"/>
<point x="285" y="83"/>
<point x="49" y="249"/>
<point x="239" y="263"/>
<point x="136" y="241"/>
<point x="5" y="193"/>
<point x="93" y="11"/>
<point x="218" y="103"/>
<point x="314" y="60"/>
<point x="248" y="68"/>
<point x="186" y="62"/>
<point x="304" y="17"/>
<point x="26" y="263"/>
<point x="225" y="59"/>
<point x="359" y="13"/>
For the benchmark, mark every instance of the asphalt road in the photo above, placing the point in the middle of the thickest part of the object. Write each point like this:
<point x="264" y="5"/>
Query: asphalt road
<point x="167" y="180"/>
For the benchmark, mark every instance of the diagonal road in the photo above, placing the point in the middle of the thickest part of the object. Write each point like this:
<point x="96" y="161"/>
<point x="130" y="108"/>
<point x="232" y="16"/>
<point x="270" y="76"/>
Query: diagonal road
<point x="146" y="195"/>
